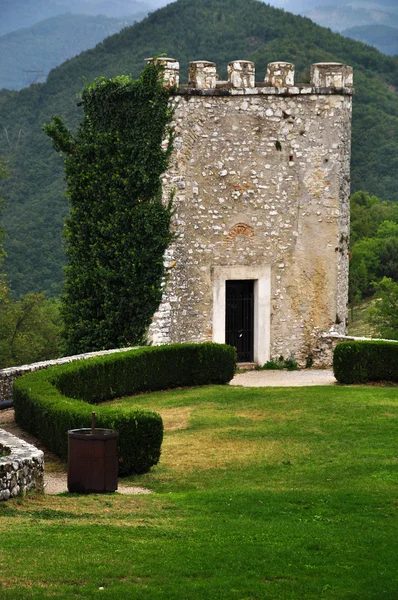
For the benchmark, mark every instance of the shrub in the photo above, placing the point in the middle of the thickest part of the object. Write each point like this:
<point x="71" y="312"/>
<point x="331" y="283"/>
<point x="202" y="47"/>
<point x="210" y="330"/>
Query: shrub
<point x="49" y="403"/>
<point x="147" y="369"/>
<point x="363" y="361"/>
<point x="280" y="363"/>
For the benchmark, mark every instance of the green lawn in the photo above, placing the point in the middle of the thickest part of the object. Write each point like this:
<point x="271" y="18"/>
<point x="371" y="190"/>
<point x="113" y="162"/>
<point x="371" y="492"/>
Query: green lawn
<point x="261" y="493"/>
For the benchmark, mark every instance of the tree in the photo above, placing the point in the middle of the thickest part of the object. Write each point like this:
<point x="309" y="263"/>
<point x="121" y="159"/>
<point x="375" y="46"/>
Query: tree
<point x="30" y="330"/>
<point x="3" y="175"/>
<point x="374" y="244"/>
<point x="384" y="315"/>
<point x="364" y="268"/>
<point x="118" y="229"/>
<point x="3" y="284"/>
<point x="389" y="258"/>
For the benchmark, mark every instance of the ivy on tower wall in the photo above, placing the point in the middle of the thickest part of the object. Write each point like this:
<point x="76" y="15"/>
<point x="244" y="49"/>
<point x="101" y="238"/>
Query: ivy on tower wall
<point x="118" y="228"/>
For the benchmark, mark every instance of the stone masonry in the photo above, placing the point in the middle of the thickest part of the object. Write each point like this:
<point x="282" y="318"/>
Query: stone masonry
<point x="21" y="469"/>
<point x="261" y="177"/>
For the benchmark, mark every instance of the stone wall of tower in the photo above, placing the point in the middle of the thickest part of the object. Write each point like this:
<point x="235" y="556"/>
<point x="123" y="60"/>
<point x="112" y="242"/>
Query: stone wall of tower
<point x="260" y="173"/>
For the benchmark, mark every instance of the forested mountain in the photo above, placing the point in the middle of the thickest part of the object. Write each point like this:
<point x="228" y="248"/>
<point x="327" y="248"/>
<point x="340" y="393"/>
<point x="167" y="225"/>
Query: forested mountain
<point x="27" y="55"/>
<point x="218" y="30"/>
<point x="16" y="14"/>
<point x="384" y="38"/>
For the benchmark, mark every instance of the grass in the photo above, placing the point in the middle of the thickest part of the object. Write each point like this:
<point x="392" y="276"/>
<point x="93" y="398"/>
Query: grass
<point x="261" y="493"/>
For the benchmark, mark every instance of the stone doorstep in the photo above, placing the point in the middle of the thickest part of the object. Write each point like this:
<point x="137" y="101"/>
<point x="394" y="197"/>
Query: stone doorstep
<point x="247" y="366"/>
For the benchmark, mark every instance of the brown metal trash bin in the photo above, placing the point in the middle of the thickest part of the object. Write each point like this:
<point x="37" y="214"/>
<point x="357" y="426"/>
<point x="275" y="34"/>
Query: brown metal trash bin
<point x="92" y="461"/>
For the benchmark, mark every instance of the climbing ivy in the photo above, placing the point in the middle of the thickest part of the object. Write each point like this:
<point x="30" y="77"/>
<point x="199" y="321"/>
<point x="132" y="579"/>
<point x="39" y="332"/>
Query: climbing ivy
<point x="118" y="228"/>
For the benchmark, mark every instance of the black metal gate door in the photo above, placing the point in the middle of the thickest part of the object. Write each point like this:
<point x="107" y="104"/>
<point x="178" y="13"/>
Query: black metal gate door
<point x="239" y="318"/>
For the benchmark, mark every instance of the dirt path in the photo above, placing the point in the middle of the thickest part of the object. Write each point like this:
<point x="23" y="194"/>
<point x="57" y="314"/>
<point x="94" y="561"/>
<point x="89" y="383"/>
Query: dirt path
<point x="285" y="378"/>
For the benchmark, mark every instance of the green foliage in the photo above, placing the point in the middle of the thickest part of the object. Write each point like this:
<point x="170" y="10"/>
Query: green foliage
<point x="218" y="30"/>
<point x="118" y="228"/>
<point x="60" y="135"/>
<point x="43" y="411"/>
<point x="361" y="362"/>
<point x="367" y="214"/>
<point x="148" y="369"/>
<point x="387" y="229"/>
<point x="49" y="403"/>
<point x="3" y="283"/>
<point x="374" y="244"/>
<point x="30" y="329"/>
<point x="365" y="267"/>
<point x="384" y="313"/>
<point x="280" y="363"/>
<point x="3" y="175"/>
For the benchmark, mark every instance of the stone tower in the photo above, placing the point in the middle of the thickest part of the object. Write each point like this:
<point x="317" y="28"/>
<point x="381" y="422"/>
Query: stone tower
<point x="261" y="177"/>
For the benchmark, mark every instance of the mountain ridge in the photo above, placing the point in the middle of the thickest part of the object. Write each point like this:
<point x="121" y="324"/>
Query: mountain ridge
<point x="24" y="13"/>
<point x="49" y="43"/>
<point x="383" y="37"/>
<point x="218" y="30"/>
<point x="349" y="15"/>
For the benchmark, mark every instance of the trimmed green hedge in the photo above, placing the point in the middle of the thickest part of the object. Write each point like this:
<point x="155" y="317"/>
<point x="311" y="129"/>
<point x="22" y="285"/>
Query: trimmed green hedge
<point x="50" y="402"/>
<point x="363" y="361"/>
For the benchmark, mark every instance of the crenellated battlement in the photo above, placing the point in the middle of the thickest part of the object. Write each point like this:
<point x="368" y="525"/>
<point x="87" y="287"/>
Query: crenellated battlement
<point x="279" y="79"/>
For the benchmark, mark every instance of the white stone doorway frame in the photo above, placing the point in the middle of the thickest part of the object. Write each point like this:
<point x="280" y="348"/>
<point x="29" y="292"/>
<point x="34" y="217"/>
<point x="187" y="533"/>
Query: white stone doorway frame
<point x="261" y="275"/>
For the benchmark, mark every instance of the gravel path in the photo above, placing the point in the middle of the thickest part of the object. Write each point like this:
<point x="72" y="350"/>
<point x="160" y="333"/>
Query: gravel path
<point x="56" y="483"/>
<point x="284" y="378"/>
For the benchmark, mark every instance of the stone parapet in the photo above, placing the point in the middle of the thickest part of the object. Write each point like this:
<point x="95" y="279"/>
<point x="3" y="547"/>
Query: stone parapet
<point x="171" y="73"/>
<point x="280" y="74"/>
<point x="262" y="89"/>
<point x="323" y="351"/>
<point x="242" y="74"/>
<point x="8" y="376"/>
<point x="202" y="75"/>
<point x="326" y="78"/>
<point x="22" y="469"/>
<point x="335" y="75"/>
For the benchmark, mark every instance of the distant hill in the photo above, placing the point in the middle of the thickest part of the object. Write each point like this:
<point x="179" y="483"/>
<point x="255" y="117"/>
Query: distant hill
<point x="219" y="30"/>
<point x="16" y="14"/>
<point x="303" y="6"/>
<point x="381" y="37"/>
<point x="344" y="16"/>
<point x="27" y="55"/>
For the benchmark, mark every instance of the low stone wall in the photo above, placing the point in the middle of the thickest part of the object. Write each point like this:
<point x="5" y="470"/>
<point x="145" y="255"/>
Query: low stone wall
<point x="323" y="352"/>
<point x="7" y="376"/>
<point x="22" y="469"/>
